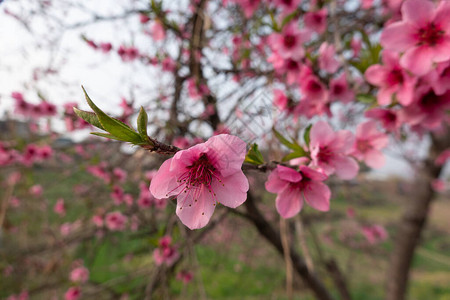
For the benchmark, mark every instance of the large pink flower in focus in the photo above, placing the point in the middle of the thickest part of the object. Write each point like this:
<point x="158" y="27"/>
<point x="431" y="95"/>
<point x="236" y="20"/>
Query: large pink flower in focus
<point x="202" y="176"/>
<point x="368" y="143"/>
<point x="330" y="150"/>
<point x="293" y="187"/>
<point x="392" y="79"/>
<point x="423" y="34"/>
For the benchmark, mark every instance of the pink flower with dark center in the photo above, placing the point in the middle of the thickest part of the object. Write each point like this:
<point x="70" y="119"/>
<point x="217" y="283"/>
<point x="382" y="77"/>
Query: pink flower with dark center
<point x="389" y="118"/>
<point x="248" y="6"/>
<point x="73" y="293"/>
<point x="293" y="187"/>
<point x="339" y="89"/>
<point x="166" y="253"/>
<point x="116" y="221"/>
<point x="330" y="150"/>
<point x="368" y="143"/>
<point x="289" y="43"/>
<point x="202" y="176"/>
<point x="316" y="20"/>
<point x="392" y="80"/>
<point x="105" y="47"/>
<point x="423" y="34"/>
<point x="287" y="5"/>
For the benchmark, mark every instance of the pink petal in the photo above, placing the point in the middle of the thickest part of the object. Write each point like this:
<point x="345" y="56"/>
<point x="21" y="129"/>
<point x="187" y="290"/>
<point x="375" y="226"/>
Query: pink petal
<point x="195" y="214"/>
<point x="418" y="12"/>
<point x="317" y="195"/>
<point x="374" y="158"/>
<point x="233" y="192"/>
<point x="345" y="167"/>
<point x="288" y="174"/>
<point x="312" y="174"/>
<point x="398" y="36"/>
<point x="321" y="134"/>
<point x="390" y="58"/>
<point x="405" y="94"/>
<point x="274" y="184"/>
<point x="343" y="142"/>
<point x="384" y="96"/>
<point x="164" y="182"/>
<point x="376" y="75"/>
<point x="442" y="13"/>
<point x="441" y="51"/>
<point x="289" y="202"/>
<point x="418" y="60"/>
<point x="227" y="152"/>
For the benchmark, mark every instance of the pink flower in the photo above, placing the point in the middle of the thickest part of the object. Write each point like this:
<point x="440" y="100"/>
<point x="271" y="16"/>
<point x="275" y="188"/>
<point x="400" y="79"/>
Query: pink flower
<point x="389" y="118"/>
<point x="368" y="143"/>
<point x="165" y="253"/>
<point x="280" y="100"/>
<point x="375" y="233"/>
<point x="116" y="221"/>
<point x="438" y="185"/>
<point x="287" y="5"/>
<point x="105" y="47"/>
<point x="185" y="276"/>
<point x="97" y="220"/>
<point x="339" y="89"/>
<point x="202" y="176"/>
<point x="293" y="187"/>
<point x="423" y="34"/>
<point x="289" y="43"/>
<point x="330" y="150"/>
<point x="316" y="20"/>
<point x="36" y="190"/>
<point x="80" y="274"/>
<point x="327" y="59"/>
<point x="157" y="31"/>
<point x="248" y="6"/>
<point x="120" y="174"/>
<point x="392" y="80"/>
<point x="73" y="293"/>
<point x="60" y="208"/>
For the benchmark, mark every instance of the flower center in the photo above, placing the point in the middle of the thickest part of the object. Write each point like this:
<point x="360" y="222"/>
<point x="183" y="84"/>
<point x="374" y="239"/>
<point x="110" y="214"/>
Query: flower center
<point x="324" y="154"/>
<point x="289" y="40"/>
<point x="430" y="35"/>
<point x="395" y="77"/>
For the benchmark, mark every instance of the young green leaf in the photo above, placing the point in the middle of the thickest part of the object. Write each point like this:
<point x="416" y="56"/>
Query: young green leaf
<point x="254" y="156"/>
<point x="108" y="136"/>
<point x="142" y="121"/>
<point x="287" y="143"/>
<point x="89" y="117"/>
<point x="306" y="136"/>
<point x="293" y="155"/>
<point x="115" y="127"/>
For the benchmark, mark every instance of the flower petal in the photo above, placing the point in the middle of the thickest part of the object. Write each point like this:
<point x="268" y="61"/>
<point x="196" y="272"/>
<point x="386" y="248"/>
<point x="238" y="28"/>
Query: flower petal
<point x="164" y="183"/>
<point x="227" y="153"/>
<point x="317" y="195"/>
<point x="376" y="75"/>
<point x="374" y="158"/>
<point x="288" y="174"/>
<point x="232" y="191"/>
<point x="274" y="183"/>
<point x="289" y="202"/>
<point x="312" y="174"/>
<point x="418" y="60"/>
<point x="398" y="37"/>
<point x="418" y="12"/>
<point x="321" y="134"/>
<point x="345" y="167"/>
<point x="195" y="208"/>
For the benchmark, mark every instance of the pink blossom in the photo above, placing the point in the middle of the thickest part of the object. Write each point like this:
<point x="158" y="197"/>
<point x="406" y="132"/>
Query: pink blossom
<point x="128" y="53"/>
<point x="289" y="43"/>
<point x="438" y="185"/>
<point x="356" y="46"/>
<point x="166" y="253"/>
<point x="375" y="234"/>
<point x="97" y="220"/>
<point x="80" y="274"/>
<point x="157" y="31"/>
<point x="389" y="118"/>
<point x="73" y="293"/>
<point x="316" y="20"/>
<point x="280" y="100"/>
<point x="368" y="143"/>
<point x="105" y="47"/>
<point x="116" y="221"/>
<point x="248" y="6"/>
<point x="36" y="190"/>
<point x="202" y="176"/>
<point x="330" y="150"/>
<point x="60" y="208"/>
<point x="327" y="58"/>
<point x="293" y="187"/>
<point x="287" y="6"/>
<point x="117" y="195"/>
<point x="392" y="80"/>
<point x="120" y="174"/>
<point x="339" y="89"/>
<point x="423" y="34"/>
<point x="185" y="276"/>
<point x="143" y="18"/>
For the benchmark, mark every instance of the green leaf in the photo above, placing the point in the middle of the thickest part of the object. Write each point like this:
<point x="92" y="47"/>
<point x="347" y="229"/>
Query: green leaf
<point x="366" y="98"/>
<point x="306" y="136"/>
<point x="254" y="156"/>
<point x="108" y="136"/>
<point x="284" y="141"/>
<point x="118" y="129"/>
<point x="142" y="121"/>
<point x="293" y="155"/>
<point x="89" y="117"/>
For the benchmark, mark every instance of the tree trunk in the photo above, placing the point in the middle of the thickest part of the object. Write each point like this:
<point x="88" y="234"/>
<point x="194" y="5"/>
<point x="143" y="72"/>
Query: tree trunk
<point x="413" y="222"/>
